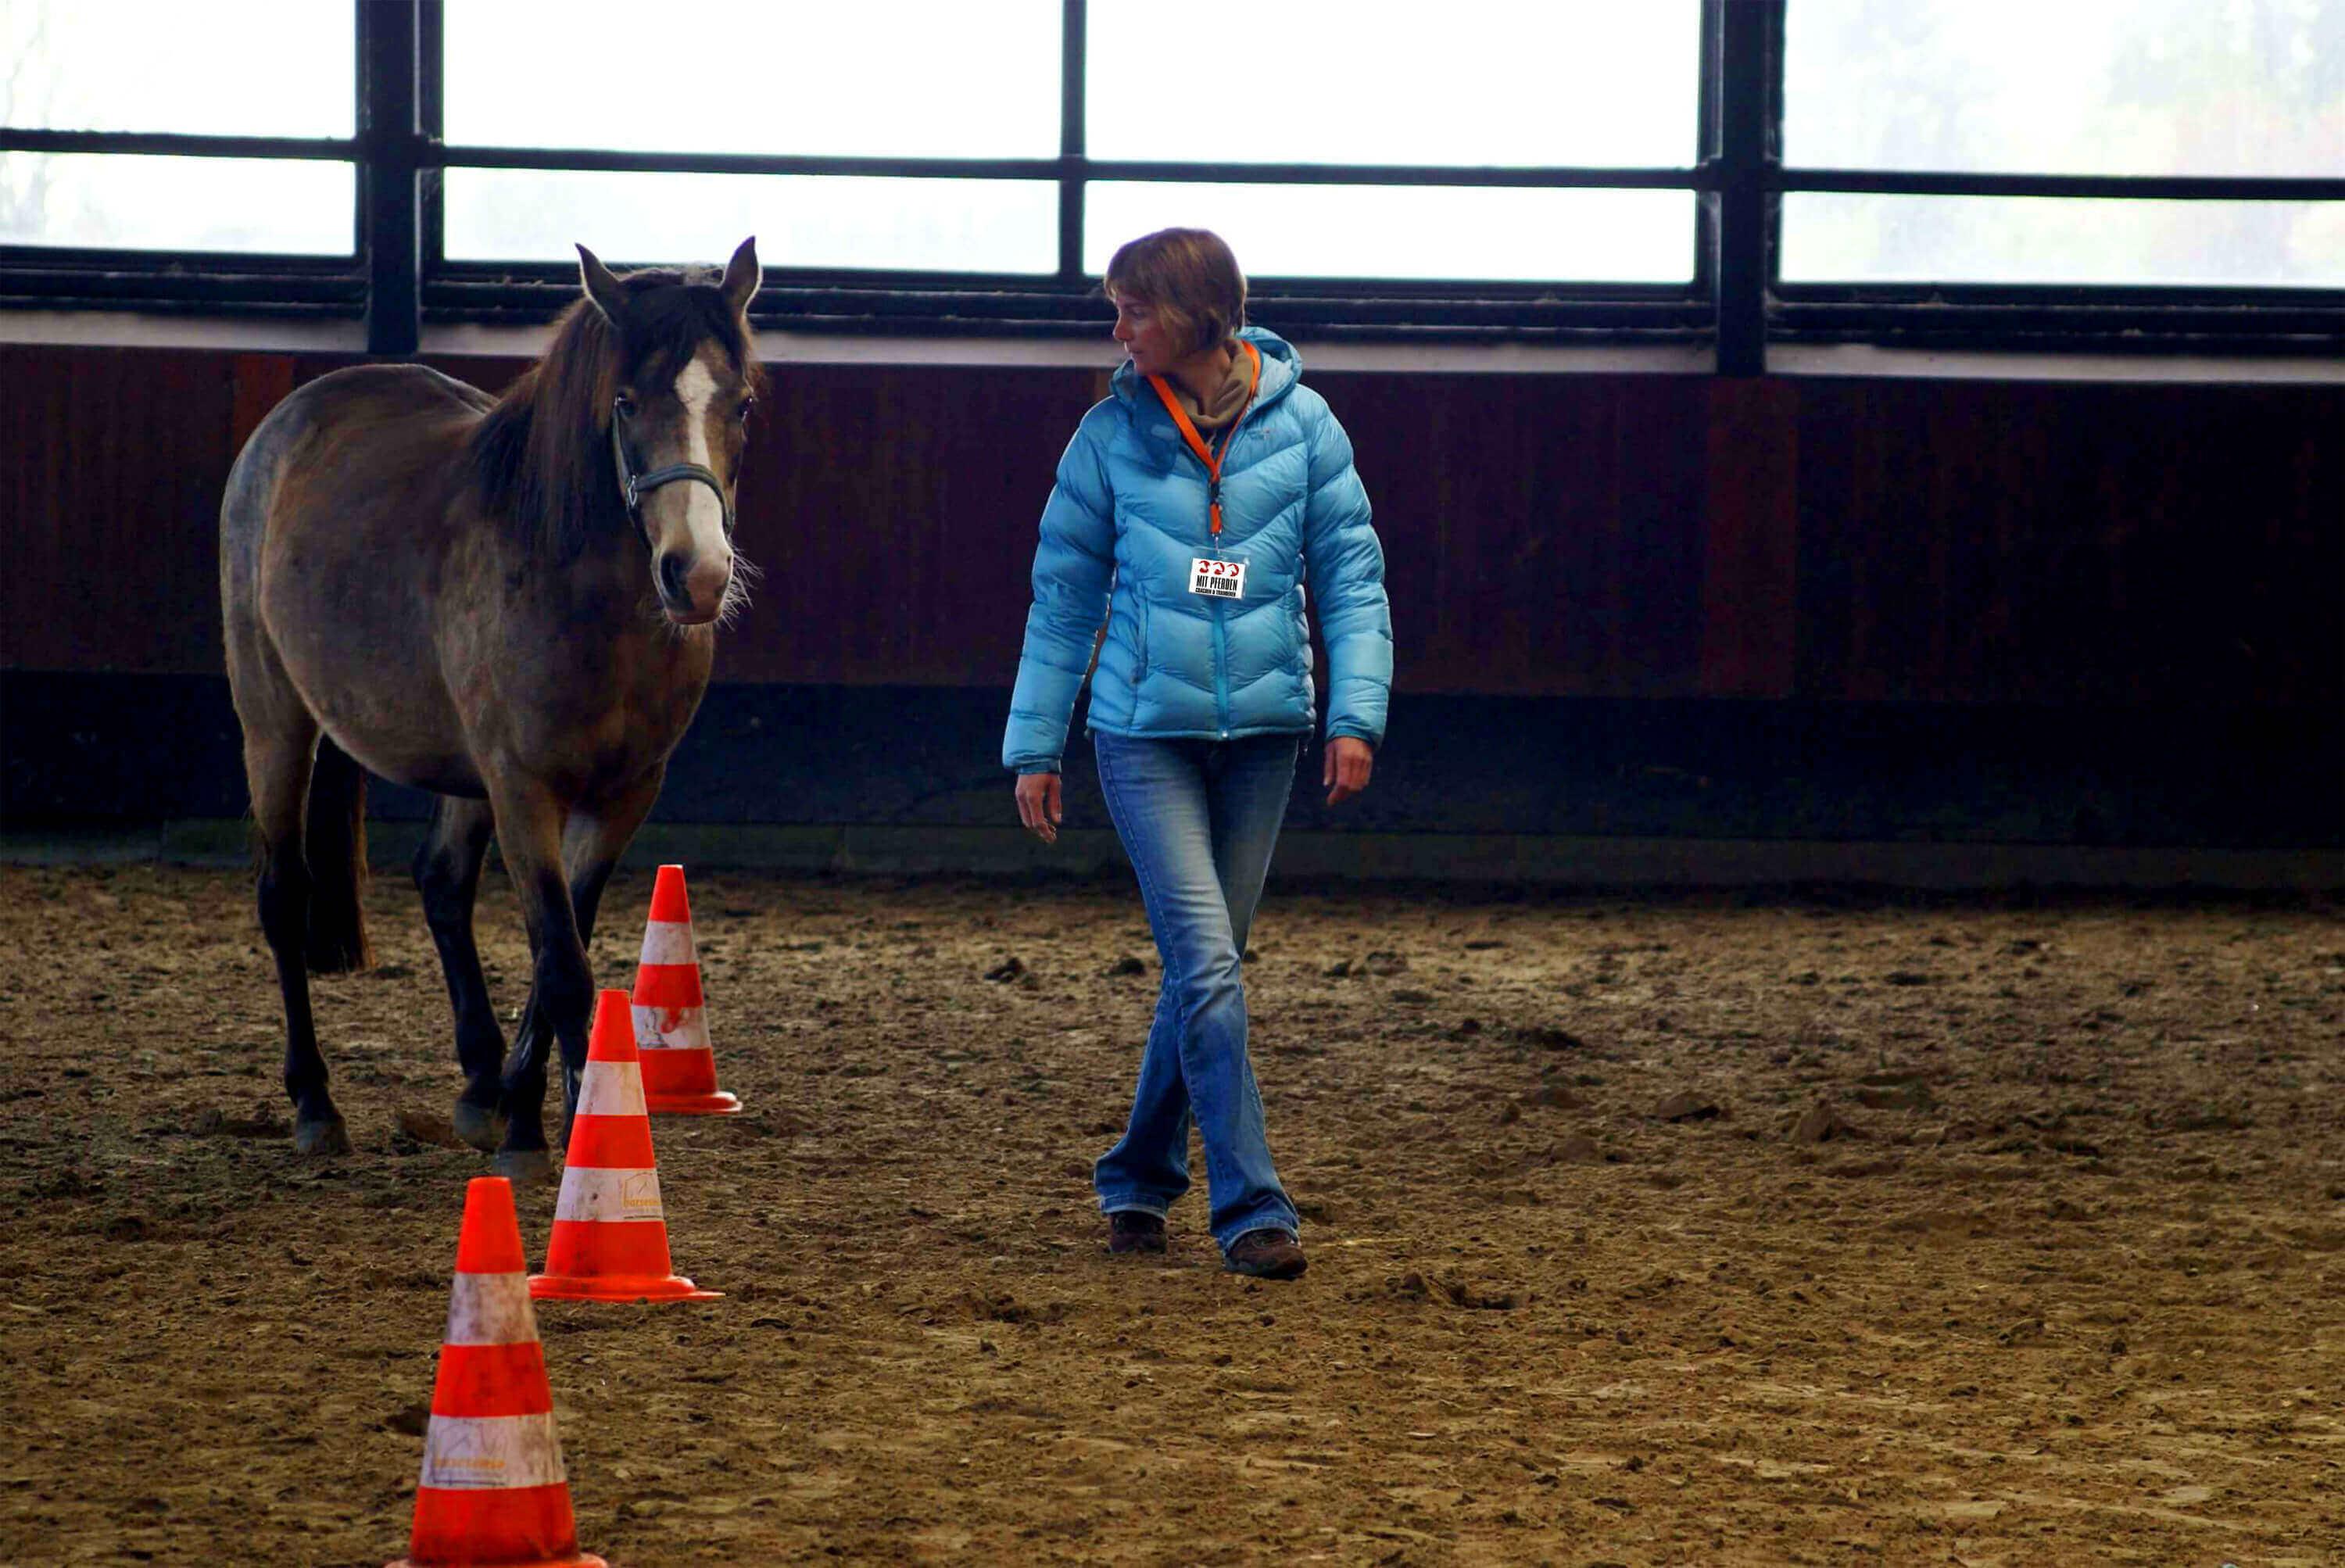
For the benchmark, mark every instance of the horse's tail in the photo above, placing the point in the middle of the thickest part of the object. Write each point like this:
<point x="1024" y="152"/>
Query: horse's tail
<point x="334" y="843"/>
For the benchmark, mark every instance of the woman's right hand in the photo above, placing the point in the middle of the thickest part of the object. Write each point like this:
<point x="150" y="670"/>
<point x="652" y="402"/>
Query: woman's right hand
<point x="1038" y="805"/>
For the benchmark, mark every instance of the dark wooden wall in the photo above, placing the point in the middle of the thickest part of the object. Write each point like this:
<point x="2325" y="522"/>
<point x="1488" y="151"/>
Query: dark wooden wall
<point x="1611" y="536"/>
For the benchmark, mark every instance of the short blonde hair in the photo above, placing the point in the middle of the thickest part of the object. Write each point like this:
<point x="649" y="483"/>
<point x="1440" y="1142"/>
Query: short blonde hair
<point x="1192" y="279"/>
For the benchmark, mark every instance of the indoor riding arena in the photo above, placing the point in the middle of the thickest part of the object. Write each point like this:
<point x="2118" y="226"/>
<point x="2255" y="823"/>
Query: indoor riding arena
<point x="1821" y="1039"/>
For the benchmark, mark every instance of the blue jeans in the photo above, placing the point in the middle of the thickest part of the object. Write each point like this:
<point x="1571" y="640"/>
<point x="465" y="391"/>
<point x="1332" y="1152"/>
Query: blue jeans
<point x="1198" y="819"/>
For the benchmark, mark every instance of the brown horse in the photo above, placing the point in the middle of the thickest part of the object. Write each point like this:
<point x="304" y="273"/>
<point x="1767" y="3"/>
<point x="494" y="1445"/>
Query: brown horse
<point x="512" y="603"/>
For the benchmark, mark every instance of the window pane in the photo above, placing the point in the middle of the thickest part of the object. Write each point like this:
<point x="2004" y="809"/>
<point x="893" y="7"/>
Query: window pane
<point x="2080" y="86"/>
<point x="1448" y="233"/>
<point x="1844" y="238"/>
<point x="224" y="67"/>
<point x="108" y="200"/>
<point x="883" y="79"/>
<point x="800" y="220"/>
<point x="1399" y="81"/>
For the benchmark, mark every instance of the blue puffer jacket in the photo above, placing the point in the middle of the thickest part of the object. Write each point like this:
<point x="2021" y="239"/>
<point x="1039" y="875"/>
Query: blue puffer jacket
<point x="1128" y="516"/>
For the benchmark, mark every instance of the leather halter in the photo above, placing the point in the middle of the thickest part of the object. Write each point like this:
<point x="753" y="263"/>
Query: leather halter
<point x="636" y="484"/>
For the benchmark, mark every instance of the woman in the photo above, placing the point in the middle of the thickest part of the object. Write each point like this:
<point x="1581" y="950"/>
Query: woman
<point x="1190" y="508"/>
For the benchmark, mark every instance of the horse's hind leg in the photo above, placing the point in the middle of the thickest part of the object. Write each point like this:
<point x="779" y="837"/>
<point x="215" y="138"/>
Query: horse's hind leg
<point x="277" y="765"/>
<point x="448" y="875"/>
<point x="333" y="845"/>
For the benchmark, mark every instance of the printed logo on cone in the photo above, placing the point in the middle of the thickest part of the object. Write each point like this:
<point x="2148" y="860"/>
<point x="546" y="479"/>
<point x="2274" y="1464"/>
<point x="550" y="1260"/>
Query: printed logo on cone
<point x="493" y="1493"/>
<point x="671" y="1014"/>
<point x="610" y="1229"/>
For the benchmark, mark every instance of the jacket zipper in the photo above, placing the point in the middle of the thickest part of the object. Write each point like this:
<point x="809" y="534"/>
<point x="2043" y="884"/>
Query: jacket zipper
<point x="1221" y="606"/>
<point x="1221" y="668"/>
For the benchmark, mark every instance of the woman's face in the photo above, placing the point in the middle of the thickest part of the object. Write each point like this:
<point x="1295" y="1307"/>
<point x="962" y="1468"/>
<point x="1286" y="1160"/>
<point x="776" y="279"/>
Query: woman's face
<point x="1146" y="338"/>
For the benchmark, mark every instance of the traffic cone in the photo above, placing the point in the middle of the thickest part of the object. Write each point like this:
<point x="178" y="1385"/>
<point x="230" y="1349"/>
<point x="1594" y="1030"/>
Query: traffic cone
<point x="610" y="1235"/>
<point x="492" y="1491"/>
<point x="671" y="1015"/>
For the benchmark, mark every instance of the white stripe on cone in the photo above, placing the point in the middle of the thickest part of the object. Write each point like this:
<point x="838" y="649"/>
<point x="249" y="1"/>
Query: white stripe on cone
<point x="671" y="1029"/>
<point x="667" y="941"/>
<point x="612" y="1089"/>
<point x="491" y="1309"/>
<point x="606" y="1197"/>
<point x="479" y="1453"/>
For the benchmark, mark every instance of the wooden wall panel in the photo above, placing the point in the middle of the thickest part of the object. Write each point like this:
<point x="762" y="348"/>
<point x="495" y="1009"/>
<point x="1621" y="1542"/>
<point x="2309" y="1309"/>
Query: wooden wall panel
<point x="114" y="462"/>
<point x="894" y="516"/>
<point x="1749" y="582"/>
<point x="1975" y="542"/>
<point x="1602" y="536"/>
<point x="261" y="382"/>
<point x="1540" y="533"/>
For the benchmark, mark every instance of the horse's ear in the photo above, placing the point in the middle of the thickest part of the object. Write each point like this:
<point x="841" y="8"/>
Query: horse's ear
<point x="742" y="275"/>
<point x="601" y="286"/>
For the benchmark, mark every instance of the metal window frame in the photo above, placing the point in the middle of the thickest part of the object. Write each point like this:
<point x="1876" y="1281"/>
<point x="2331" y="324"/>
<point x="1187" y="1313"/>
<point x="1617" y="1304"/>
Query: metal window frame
<point x="398" y="276"/>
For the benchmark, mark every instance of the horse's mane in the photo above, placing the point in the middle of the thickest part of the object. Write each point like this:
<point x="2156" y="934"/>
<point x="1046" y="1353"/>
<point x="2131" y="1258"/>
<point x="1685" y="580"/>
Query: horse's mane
<point x="542" y="455"/>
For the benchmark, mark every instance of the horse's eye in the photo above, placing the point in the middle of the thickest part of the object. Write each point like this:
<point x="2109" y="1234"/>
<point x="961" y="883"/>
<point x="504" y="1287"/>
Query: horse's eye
<point x="625" y="405"/>
<point x="747" y="404"/>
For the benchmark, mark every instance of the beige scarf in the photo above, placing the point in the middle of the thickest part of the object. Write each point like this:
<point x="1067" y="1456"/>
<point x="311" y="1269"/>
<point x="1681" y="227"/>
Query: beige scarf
<point x="1229" y="399"/>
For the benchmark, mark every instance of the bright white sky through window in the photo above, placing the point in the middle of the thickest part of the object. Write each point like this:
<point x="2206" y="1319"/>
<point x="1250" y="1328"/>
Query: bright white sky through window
<point x="250" y="67"/>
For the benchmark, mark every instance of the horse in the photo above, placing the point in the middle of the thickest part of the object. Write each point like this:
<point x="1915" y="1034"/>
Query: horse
<point x="511" y="602"/>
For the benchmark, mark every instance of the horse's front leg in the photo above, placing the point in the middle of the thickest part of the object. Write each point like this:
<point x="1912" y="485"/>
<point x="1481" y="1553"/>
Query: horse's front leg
<point x="529" y="825"/>
<point x="592" y="844"/>
<point x="598" y="836"/>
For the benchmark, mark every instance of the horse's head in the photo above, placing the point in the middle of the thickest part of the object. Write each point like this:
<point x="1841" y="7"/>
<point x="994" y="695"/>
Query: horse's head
<point x="683" y="382"/>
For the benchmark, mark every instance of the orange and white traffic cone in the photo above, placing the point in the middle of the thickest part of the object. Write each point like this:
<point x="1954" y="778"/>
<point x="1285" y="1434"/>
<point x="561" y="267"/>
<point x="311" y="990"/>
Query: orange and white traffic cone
<point x="493" y="1492"/>
<point x="610" y="1234"/>
<point x="671" y="1014"/>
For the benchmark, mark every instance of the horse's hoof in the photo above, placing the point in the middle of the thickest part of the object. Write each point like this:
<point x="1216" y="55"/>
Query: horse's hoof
<point x="327" y="1136"/>
<point x="478" y="1126"/>
<point x="523" y="1165"/>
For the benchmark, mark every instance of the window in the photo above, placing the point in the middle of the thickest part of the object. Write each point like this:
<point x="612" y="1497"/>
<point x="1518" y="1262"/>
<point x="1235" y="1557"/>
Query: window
<point x="2144" y="87"/>
<point x="1379" y="232"/>
<point x="174" y="72"/>
<point x="2104" y="144"/>
<point x="282" y="69"/>
<point x="1473" y="84"/>
<point x="2024" y="239"/>
<point x="1741" y="172"/>
<point x="887" y="80"/>
<point x="801" y="221"/>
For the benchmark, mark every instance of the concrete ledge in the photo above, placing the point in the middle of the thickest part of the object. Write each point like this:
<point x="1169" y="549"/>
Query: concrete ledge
<point x="1546" y="861"/>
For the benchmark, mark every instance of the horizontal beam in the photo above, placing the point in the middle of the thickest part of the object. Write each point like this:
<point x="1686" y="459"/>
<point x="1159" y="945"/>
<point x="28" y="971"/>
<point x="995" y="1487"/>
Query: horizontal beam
<point x="1705" y="175"/>
<point x="2158" y="188"/>
<point x="151" y="144"/>
<point x="1068" y="167"/>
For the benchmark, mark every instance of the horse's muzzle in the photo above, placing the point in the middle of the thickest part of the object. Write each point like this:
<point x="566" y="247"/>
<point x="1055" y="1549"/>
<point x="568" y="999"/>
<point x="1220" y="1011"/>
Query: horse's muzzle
<point x="692" y="587"/>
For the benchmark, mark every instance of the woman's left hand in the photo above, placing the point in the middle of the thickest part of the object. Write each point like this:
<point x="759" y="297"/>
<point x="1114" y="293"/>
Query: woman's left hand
<point x="1350" y="760"/>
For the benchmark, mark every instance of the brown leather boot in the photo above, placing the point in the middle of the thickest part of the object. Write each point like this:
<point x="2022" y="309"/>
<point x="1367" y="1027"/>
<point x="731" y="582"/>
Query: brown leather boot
<point x="1135" y="1230"/>
<point x="1266" y="1255"/>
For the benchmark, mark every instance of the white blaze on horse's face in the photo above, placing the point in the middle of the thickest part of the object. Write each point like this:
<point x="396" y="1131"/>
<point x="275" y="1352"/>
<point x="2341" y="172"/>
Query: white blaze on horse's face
<point x="692" y="559"/>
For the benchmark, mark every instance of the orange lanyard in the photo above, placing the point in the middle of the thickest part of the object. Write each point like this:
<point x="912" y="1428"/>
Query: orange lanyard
<point x="1205" y="453"/>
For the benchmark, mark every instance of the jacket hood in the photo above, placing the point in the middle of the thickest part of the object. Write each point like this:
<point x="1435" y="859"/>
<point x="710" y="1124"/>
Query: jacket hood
<point x="1281" y="366"/>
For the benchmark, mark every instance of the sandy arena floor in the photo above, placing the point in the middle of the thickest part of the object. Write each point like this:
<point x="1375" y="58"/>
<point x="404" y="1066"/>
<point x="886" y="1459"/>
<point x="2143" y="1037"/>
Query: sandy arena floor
<point x="2065" y="1284"/>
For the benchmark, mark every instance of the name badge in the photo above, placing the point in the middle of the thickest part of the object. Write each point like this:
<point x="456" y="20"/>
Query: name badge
<point x="1217" y="579"/>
